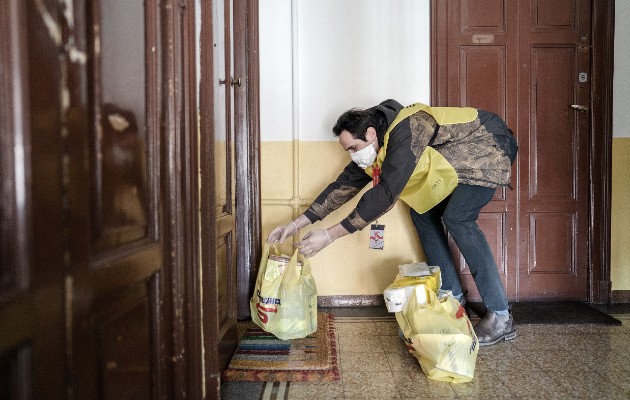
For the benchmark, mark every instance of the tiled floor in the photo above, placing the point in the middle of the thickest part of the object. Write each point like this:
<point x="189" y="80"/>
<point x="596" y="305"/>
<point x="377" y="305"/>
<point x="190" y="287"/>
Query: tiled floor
<point x="544" y="361"/>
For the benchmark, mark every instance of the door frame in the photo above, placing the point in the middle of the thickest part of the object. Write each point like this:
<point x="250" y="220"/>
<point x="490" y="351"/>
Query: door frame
<point x="600" y="140"/>
<point x="247" y="152"/>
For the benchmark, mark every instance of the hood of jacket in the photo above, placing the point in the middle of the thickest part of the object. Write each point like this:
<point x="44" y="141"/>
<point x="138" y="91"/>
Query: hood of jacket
<point x="389" y="108"/>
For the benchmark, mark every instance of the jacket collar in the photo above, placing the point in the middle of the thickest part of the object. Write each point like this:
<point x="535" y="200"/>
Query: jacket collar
<point x="390" y="109"/>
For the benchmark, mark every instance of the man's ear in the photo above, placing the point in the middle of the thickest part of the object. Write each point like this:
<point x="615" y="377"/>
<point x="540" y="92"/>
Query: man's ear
<point x="370" y="134"/>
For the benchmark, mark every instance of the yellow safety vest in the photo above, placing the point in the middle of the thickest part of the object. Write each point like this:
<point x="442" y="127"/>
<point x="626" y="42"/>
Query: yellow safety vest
<point x="434" y="178"/>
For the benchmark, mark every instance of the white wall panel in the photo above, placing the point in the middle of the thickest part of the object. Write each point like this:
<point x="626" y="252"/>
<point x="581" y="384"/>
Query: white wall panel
<point x="351" y="53"/>
<point x="275" y="70"/>
<point x="621" y="83"/>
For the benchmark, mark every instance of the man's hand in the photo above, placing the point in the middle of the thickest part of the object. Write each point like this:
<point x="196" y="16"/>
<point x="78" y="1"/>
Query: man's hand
<point x="280" y="233"/>
<point x="313" y="242"/>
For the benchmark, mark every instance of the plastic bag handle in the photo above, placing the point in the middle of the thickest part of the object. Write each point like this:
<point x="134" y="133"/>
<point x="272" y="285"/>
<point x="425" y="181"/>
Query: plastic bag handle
<point x="291" y="271"/>
<point x="263" y="263"/>
<point x="275" y="248"/>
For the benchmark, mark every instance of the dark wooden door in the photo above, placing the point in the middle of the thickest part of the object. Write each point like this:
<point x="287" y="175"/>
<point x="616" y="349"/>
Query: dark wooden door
<point x="224" y="84"/>
<point x="216" y="85"/>
<point x="99" y="275"/>
<point x="82" y="290"/>
<point x="528" y="61"/>
<point x="476" y="65"/>
<point x="115" y="231"/>
<point x="554" y="59"/>
<point x="32" y="338"/>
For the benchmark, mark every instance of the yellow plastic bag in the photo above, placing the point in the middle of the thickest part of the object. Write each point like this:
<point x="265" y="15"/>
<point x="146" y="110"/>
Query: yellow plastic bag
<point x="285" y="298"/>
<point x="440" y="336"/>
<point x="434" y="281"/>
<point x="398" y="292"/>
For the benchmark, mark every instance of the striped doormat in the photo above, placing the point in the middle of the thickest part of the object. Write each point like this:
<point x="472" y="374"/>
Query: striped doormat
<point x="260" y="356"/>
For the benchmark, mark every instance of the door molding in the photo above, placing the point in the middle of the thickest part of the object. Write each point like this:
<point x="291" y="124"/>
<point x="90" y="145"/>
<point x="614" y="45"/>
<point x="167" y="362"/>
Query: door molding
<point x="600" y="150"/>
<point x="247" y="151"/>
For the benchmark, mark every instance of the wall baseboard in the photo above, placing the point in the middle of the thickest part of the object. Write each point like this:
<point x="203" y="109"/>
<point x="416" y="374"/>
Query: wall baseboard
<point x="620" y="296"/>
<point x="373" y="300"/>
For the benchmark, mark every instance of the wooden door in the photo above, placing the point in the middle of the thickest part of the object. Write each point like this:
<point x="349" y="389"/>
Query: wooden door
<point x="555" y="56"/>
<point x="478" y="48"/>
<point x="114" y="233"/>
<point x="32" y="339"/>
<point x="99" y="273"/>
<point x="216" y="84"/>
<point x="523" y="60"/>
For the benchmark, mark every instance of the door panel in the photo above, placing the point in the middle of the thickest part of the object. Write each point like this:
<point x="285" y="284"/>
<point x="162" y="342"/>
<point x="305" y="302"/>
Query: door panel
<point x="224" y="175"/>
<point x="554" y="49"/>
<point x="114" y="230"/>
<point x="217" y="185"/>
<point x="32" y="343"/>
<point x="522" y="60"/>
<point x="123" y="329"/>
<point x="493" y="226"/>
<point x="479" y="65"/>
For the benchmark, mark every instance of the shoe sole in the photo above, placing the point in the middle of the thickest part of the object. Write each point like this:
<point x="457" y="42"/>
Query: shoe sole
<point x="506" y="337"/>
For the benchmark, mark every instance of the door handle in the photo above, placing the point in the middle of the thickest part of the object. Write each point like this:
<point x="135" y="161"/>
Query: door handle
<point x="238" y="82"/>
<point x="579" y="108"/>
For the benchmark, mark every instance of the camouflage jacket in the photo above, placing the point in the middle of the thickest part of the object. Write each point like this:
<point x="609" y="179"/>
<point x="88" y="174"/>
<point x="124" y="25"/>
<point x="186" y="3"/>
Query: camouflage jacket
<point x="479" y="151"/>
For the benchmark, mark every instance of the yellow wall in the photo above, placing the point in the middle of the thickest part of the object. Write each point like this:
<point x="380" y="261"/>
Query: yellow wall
<point x="368" y="271"/>
<point x="336" y="270"/>
<point x="620" y="233"/>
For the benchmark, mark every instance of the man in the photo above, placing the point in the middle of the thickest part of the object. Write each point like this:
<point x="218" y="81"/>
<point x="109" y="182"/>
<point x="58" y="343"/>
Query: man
<point x="446" y="164"/>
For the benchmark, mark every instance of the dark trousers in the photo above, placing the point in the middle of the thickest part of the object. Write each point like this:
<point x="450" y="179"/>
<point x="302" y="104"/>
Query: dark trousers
<point x="459" y="213"/>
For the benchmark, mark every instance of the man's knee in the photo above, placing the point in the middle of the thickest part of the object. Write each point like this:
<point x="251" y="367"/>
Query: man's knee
<point x="458" y="223"/>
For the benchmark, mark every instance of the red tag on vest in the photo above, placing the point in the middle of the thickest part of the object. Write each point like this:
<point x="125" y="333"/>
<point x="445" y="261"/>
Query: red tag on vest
<point x="376" y="175"/>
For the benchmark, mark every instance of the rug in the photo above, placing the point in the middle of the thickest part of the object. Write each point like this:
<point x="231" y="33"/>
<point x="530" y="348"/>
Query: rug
<point x="559" y="312"/>
<point x="260" y="356"/>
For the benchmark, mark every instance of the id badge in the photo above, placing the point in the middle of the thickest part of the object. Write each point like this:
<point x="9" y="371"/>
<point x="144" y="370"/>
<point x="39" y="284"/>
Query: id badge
<point x="377" y="236"/>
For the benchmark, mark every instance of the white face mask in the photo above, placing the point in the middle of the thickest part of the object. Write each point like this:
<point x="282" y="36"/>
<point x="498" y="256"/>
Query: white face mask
<point x="364" y="157"/>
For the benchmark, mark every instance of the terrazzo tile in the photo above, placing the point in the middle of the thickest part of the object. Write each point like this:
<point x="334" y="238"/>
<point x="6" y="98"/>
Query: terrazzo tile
<point x="386" y="328"/>
<point x="485" y="384"/>
<point x="481" y="365"/>
<point x="418" y="386"/>
<point x="544" y="361"/>
<point x="403" y="362"/>
<point x="562" y="360"/>
<point x="356" y="328"/>
<point x="590" y="385"/>
<point x="541" y="342"/>
<point x="360" y="343"/>
<point x="393" y="344"/>
<point x="369" y="385"/>
<point x="620" y="378"/>
<point x="315" y="390"/>
<point x="353" y="361"/>
<point x="501" y="349"/>
<point x="532" y="384"/>
<point x="518" y="363"/>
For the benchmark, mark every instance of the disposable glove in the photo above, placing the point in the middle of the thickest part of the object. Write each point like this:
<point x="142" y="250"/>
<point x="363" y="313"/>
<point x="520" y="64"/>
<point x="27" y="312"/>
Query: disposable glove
<point x="313" y="242"/>
<point x="280" y="233"/>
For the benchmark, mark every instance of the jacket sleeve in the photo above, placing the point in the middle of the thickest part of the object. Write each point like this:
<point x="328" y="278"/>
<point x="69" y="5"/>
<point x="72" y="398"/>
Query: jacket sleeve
<point x="396" y="170"/>
<point x="350" y="182"/>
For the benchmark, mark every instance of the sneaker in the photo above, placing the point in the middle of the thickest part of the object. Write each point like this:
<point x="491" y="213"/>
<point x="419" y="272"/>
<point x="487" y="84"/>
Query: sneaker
<point x="494" y="327"/>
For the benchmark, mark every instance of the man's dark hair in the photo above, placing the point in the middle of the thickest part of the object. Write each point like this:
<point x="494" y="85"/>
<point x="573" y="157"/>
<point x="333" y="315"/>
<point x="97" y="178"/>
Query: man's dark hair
<point x="356" y="121"/>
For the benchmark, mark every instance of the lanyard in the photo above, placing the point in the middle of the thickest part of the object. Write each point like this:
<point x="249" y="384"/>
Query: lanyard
<point x="376" y="174"/>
